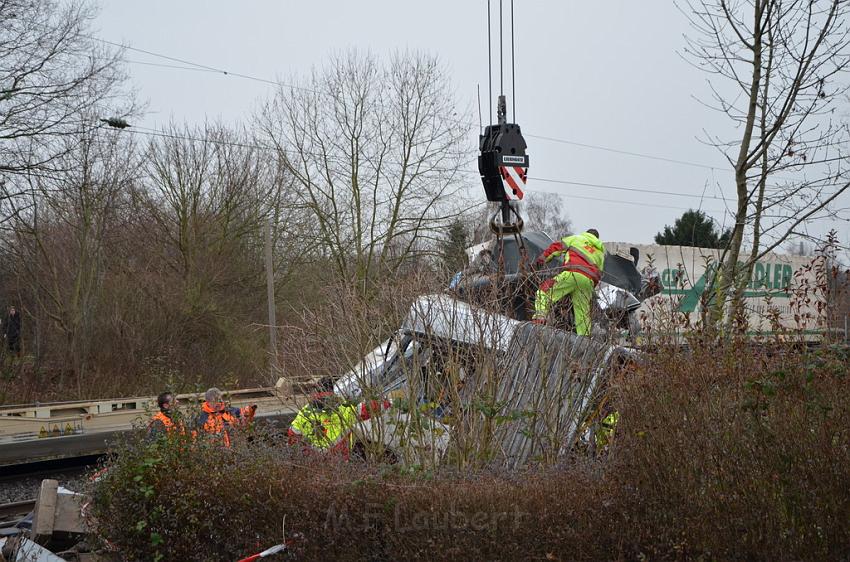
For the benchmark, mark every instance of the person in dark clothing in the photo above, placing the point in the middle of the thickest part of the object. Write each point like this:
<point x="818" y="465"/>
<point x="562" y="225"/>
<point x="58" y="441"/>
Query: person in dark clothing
<point x="12" y="332"/>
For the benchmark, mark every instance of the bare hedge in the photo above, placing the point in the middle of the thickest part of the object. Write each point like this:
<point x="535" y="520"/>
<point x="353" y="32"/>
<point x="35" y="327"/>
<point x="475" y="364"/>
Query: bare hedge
<point x="722" y="452"/>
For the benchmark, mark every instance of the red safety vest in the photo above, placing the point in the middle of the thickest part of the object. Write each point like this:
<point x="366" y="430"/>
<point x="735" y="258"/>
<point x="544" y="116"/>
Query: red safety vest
<point x="574" y="260"/>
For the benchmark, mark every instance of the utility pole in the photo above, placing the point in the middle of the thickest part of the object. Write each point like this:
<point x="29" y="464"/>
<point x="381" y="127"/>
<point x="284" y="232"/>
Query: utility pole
<point x="270" y="295"/>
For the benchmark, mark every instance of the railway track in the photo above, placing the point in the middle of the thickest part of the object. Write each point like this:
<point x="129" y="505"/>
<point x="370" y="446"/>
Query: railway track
<point x="21" y="482"/>
<point x="48" y="468"/>
<point x="11" y="513"/>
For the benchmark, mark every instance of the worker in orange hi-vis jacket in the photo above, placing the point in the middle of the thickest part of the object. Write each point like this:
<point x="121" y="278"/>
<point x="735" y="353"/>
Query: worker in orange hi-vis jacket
<point x="218" y="419"/>
<point x="167" y="419"/>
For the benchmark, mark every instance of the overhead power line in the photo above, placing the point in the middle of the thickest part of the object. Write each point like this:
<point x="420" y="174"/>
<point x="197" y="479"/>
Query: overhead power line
<point x="634" y="203"/>
<point x="623" y="188"/>
<point x="195" y="66"/>
<point x="199" y="67"/>
<point x="171" y="66"/>
<point x="627" y="152"/>
<point x="145" y="131"/>
<point x="153" y="132"/>
<point x="182" y="61"/>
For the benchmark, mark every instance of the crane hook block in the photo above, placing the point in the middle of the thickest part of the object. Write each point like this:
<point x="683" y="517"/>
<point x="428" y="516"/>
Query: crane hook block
<point x="503" y="163"/>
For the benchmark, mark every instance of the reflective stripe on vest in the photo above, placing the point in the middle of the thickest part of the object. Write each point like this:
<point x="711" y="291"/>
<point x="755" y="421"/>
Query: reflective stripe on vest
<point x="578" y="262"/>
<point x="218" y="423"/>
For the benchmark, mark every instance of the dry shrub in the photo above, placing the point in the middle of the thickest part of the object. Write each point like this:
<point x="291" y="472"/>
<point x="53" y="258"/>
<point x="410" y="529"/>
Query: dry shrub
<point x="183" y="500"/>
<point x="346" y="322"/>
<point x="736" y="451"/>
<point x="722" y="452"/>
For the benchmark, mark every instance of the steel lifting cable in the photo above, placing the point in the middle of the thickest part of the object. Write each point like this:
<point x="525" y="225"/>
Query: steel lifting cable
<point x="480" y="124"/>
<point x="519" y="239"/>
<point x="489" y="64"/>
<point x="513" y="66"/>
<point x="523" y="252"/>
<point x="500" y="264"/>
<point x="502" y="162"/>
<point x="501" y="53"/>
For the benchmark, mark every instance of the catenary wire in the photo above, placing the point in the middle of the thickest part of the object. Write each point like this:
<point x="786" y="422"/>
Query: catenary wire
<point x="201" y="67"/>
<point x="171" y="66"/>
<point x="207" y="68"/>
<point x="194" y="66"/>
<point x="623" y="188"/>
<point x="154" y="132"/>
<point x="627" y="152"/>
<point x="151" y="132"/>
<point x="261" y="147"/>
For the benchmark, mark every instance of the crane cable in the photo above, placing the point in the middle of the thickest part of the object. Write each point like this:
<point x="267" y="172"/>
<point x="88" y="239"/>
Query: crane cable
<point x="513" y="67"/>
<point x="501" y="52"/>
<point x="489" y="64"/>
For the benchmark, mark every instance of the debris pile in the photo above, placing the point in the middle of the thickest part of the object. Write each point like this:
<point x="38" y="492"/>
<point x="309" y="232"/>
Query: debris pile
<point x="55" y="531"/>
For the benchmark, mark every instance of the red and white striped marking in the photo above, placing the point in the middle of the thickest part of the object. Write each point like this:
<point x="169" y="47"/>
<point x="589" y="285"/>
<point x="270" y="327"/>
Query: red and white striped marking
<point x="513" y="179"/>
<point x="268" y="552"/>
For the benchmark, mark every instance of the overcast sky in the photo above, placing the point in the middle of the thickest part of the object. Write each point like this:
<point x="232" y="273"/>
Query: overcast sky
<point x="600" y="73"/>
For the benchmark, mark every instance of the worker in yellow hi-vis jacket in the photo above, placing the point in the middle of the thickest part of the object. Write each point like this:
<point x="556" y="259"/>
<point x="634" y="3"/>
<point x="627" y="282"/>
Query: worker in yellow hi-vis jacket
<point x="583" y="258"/>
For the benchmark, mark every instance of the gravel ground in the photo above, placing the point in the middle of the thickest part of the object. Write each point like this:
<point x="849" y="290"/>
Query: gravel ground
<point x="26" y="488"/>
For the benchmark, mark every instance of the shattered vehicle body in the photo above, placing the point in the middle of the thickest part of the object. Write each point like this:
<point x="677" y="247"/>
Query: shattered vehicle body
<point x="468" y="374"/>
<point x="434" y="351"/>
<point x="469" y="382"/>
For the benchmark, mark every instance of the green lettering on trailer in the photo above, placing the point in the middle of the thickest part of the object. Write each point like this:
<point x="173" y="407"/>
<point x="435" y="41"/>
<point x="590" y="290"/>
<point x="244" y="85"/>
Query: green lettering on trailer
<point x="760" y="283"/>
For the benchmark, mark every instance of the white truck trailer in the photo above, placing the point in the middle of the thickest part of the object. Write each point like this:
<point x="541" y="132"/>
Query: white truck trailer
<point x="783" y="294"/>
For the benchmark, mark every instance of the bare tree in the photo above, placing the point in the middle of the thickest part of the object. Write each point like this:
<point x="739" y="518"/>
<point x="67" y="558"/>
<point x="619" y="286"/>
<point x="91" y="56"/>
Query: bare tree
<point x="540" y="211"/>
<point x="778" y="67"/>
<point x="547" y="212"/>
<point x="208" y="192"/>
<point x="132" y="262"/>
<point x="61" y="244"/>
<point x="53" y="78"/>
<point x="375" y="152"/>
